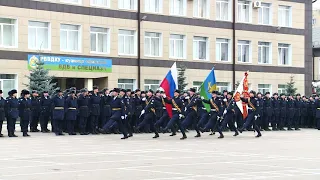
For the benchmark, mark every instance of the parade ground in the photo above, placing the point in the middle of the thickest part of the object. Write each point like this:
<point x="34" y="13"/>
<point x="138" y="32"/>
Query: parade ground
<point x="277" y="155"/>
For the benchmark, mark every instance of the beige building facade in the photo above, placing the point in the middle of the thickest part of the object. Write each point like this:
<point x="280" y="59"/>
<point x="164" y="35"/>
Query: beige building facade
<point x="270" y="38"/>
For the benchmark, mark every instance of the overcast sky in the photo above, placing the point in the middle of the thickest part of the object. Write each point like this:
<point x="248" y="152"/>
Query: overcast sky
<point x="316" y="5"/>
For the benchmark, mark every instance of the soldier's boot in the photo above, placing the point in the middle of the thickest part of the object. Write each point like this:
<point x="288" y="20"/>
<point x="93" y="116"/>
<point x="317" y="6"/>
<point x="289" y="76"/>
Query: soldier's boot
<point x="125" y="137"/>
<point x="184" y="136"/>
<point x="173" y="134"/>
<point x="236" y="134"/>
<point x="258" y="135"/>
<point x="25" y="134"/>
<point x="156" y="135"/>
<point x="198" y="135"/>
<point x="221" y="136"/>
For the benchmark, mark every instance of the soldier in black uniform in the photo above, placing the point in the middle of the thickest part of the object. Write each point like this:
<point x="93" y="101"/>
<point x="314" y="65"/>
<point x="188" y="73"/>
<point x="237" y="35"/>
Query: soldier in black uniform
<point x="83" y="104"/>
<point x="138" y="108"/>
<point x="35" y="111"/>
<point x="164" y="118"/>
<point x="95" y="110"/>
<point x="311" y="113"/>
<point x="130" y="111"/>
<point x="291" y="112"/>
<point x="276" y="112"/>
<point x="25" y="112"/>
<point x="298" y="108"/>
<point x="268" y="111"/>
<point x="2" y="111"/>
<point x="45" y="103"/>
<point x="260" y="110"/>
<point x="191" y="110"/>
<point x="71" y="110"/>
<point x="58" y="111"/>
<point x="105" y="107"/>
<point x="12" y="105"/>
<point x="252" y="116"/>
<point x="177" y="113"/>
<point x="283" y="112"/>
<point x="304" y="112"/>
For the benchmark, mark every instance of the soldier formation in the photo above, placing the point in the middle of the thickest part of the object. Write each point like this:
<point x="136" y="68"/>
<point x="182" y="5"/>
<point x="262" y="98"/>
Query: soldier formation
<point x="126" y="112"/>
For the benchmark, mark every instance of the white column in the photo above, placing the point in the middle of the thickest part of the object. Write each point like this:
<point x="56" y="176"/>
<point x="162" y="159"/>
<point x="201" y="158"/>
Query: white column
<point x="88" y="83"/>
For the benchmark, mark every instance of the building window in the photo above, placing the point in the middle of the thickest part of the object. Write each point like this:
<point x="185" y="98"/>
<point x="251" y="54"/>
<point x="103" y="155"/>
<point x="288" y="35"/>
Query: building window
<point x="196" y="85"/>
<point x="154" y="6"/>
<point x="7" y="83"/>
<point x="178" y="7"/>
<point x="244" y="51"/>
<point x="223" y="10"/>
<point x="282" y="88"/>
<point x="8" y="32"/>
<point x="264" y="52"/>
<point x="177" y="46"/>
<point x="263" y="88"/>
<point x="285" y="16"/>
<point x="244" y="11"/>
<point x="99" y="40"/>
<point x="201" y="8"/>
<point x="70" y="38"/>
<point x="128" y="4"/>
<point x="284" y="52"/>
<point x="265" y="14"/>
<point x="222" y="50"/>
<point x="72" y="1"/>
<point x="38" y="35"/>
<point x="200" y="48"/>
<point x="126" y="83"/>
<point x="151" y="84"/>
<point x="126" y="42"/>
<point x="221" y="86"/>
<point x="100" y="3"/>
<point x="152" y="44"/>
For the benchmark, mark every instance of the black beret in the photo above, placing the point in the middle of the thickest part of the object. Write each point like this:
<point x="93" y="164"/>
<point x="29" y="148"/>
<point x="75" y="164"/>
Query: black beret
<point x="230" y="93"/>
<point x="34" y="91"/>
<point x="13" y="91"/>
<point x="123" y="90"/>
<point x="282" y="94"/>
<point x="298" y="94"/>
<point x="45" y="91"/>
<point x="150" y="90"/>
<point x="95" y="87"/>
<point x="128" y="90"/>
<point x="225" y="91"/>
<point x="253" y="92"/>
<point x="158" y="91"/>
<point x="177" y="91"/>
<point x="57" y="91"/>
<point x="275" y="94"/>
<point x="267" y="93"/>
<point x="25" y="92"/>
<point x="9" y="93"/>
<point x="137" y="90"/>
<point x="214" y="92"/>
<point x="192" y="89"/>
<point x="116" y="90"/>
<point x="142" y="92"/>
<point x="259" y="93"/>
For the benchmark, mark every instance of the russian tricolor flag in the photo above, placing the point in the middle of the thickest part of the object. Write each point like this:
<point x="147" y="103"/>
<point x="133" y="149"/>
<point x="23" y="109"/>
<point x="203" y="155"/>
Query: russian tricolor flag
<point x="169" y="85"/>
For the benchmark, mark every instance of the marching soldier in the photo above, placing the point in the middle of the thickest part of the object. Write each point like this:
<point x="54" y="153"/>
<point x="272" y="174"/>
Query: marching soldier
<point x="71" y="108"/>
<point x="268" y="111"/>
<point x="138" y="108"/>
<point x="12" y="105"/>
<point x="25" y="112"/>
<point x="283" y="112"/>
<point x="177" y="113"/>
<point x="35" y="111"/>
<point x="83" y="104"/>
<point x="2" y="111"/>
<point x="105" y="107"/>
<point x="252" y="116"/>
<point x="45" y="103"/>
<point x="276" y="112"/>
<point x="58" y="112"/>
<point x="191" y="110"/>
<point x="291" y="112"/>
<point x="298" y="107"/>
<point x="215" y="113"/>
<point x="130" y="111"/>
<point x="95" y="110"/>
<point x="202" y="114"/>
<point x="260" y="110"/>
<point x="164" y="118"/>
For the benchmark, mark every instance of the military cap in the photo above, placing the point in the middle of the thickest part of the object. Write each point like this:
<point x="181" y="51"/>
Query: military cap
<point x="298" y="94"/>
<point x="214" y="92"/>
<point x="137" y="90"/>
<point x="253" y="92"/>
<point x="123" y="90"/>
<point x="72" y="92"/>
<point x="158" y="91"/>
<point x="25" y="92"/>
<point x="275" y="94"/>
<point x="225" y="91"/>
<point x="57" y="91"/>
<point x="143" y="92"/>
<point x="14" y="91"/>
<point x="95" y="87"/>
<point x="1" y="92"/>
<point x="259" y="93"/>
<point x="230" y="93"/>
<point x="192" y="89"/>
<point x="45" y="91"/>
<point x="128" y="90"/>
<point x="34" y="91"/>
<point x="72" y="88"/>
<point x="10" y="93"/>
<point x="83" y="90"/>
<point x="116" y="90"/>
<point x="267" y="93"/>
<point x="150" y="90"/>
<point x="282" y="94"/>
<point x="177" y="91"/>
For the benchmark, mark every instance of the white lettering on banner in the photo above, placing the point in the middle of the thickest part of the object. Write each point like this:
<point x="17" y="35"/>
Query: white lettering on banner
<point x="49" y="59"/>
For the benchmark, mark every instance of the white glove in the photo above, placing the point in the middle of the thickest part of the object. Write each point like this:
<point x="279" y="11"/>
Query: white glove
<point x="187" y="97"/>
<point x="224" y="112"/>
<point x="125" y="116"/>
<point x="144" y="99"/>
<point x="142" y="112"/>
<point x="164" y="96"/>
<point x="255" y="117"/>
<point x="225" y="100"/>
<point x="180" y="116"/>
<point x="202" y="97"/>
<point x="122" y="117"/>
<point x="185" y="109"/>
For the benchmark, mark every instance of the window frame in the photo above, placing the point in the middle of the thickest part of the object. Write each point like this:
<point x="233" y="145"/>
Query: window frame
<point x="134" y="43"/>
<point x="262" y="13"/>
<point x="220" y="13"/>
<point x="280" y="7"/>
<point x="197" y="87"/>
<point x="149" y="85"/>
<point x="267" y="90"/>
<point x="228" y="87"/>
<point x="207" y="9"/>
<point x="16" y="34"/>
<point x="98" y="5"/>
<point x="160" y="44"/>
<point x="184" y="8"/>
<point x="184" y="46"/>
<point x="79" y="38"/>
<point x="250" y="11"/>
<point x="135" y="6"/>
<point x="270" y="51"/>
<point x="68" y="2"/>
<point x="289" y="54"/>
<point x="147" y="9"/>
<point x="250" y="51"/>
<point x="229" y="49"/>
<point x="207" y="48"/>
<point x="283" y="90"/>
<point x="133" y="83"/>
<point x="96" y="34"/>
<point x="49" y="35"/>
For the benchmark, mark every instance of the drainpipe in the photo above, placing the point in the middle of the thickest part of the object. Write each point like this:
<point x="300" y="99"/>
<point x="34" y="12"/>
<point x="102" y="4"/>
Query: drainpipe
<point x="234" y="45"/>
<point x="138" y="44"/>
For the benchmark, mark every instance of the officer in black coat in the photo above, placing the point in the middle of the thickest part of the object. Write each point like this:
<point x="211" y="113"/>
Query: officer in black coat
<point x="105" y="107"/>
<point x="2" y="111"/>
<point x="283" y="112"/>
<point x="83" y="106"/>
<point x="311" y="113"/>
<point x="260" y="110"/>
<point x="58" y="111"/>
<point x="191" y="110"/>
<point x="298" y="108"/>
<point x="138" y="107"/>
<point x="276" y="112"/>
<point x="12" y="105"/>
<point x="35" y="111"/>
<point x="164" y="118"/>
<point x="304" y="112"/>
<point x="25" y="112"/>
<point x="291" y="111"/>
<point x="45" y="111"/>
<point x="71" y="110"/>
<point x="130" y="104"/>
<point x="268" y="111"/>
<point x="95" y="110"/>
